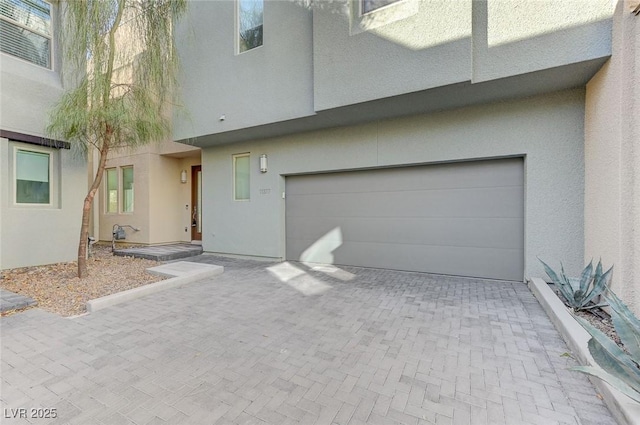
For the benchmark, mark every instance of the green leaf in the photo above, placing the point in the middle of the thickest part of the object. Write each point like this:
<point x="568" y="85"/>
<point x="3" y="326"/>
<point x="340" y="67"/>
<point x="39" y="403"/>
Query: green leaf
<point x="614" y="365"/>
<point x="627" y="327"/>
<point x="590" y="307"/>
<point x="611" y="348"/>
<point x="600" y="283"/>
<point x="612" y="380"/>
<point x="617" y="305"/>
<point x="550" y="272"/>
<point x="585" y="280"/>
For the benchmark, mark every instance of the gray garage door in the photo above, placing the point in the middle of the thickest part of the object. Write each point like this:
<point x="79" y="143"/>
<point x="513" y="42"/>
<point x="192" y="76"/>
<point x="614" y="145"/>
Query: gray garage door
<point x="463" y="219"/>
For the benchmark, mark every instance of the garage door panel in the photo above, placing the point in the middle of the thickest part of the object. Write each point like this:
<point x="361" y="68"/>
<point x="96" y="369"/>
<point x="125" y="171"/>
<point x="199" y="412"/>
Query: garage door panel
<point x="463" y="219"/>
<point x="503" y="264"/>
<point x="443" y="176"/>
<point x="477" y="202"/>
<point x="476" y="232"/>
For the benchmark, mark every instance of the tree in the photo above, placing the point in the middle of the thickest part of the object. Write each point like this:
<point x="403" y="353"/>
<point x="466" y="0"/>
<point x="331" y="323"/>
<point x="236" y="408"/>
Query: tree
<point x="122" y="95"/>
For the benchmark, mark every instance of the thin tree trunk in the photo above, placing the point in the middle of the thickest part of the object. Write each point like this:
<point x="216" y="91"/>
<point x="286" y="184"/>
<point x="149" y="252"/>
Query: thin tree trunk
<point x="86" y="211"/>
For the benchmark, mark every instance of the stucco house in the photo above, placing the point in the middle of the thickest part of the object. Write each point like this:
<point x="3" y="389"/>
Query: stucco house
<point x="42" y="182"/>
<point x="156" y="189"/>
<point x="463" y="138"/>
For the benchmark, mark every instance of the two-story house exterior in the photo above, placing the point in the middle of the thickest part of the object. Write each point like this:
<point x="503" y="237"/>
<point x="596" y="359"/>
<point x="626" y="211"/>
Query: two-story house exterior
<point x="436" y="136"/>
<point x="440" y="91"/>
<point x="42" y="182"/>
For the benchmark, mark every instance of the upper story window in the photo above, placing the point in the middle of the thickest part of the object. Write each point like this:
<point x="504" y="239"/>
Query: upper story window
<point x="368" y="6"/>
<point x="367" y="15"/>
<point x="33" y="177"/>
<point x="25" y="30"/>
<point x="250" y="23"/>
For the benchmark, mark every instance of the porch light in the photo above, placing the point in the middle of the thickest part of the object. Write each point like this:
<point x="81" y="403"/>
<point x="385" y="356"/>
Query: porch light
<point x="183" y="176"/>
<point x="263" y="163"/>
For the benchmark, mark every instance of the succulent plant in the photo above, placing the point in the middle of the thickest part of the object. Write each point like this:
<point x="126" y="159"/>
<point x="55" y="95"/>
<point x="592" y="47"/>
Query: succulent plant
<point x="620" y="368"/>
<point x="580" y="292"/>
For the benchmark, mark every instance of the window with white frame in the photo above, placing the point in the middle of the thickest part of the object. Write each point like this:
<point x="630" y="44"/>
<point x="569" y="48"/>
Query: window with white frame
<point x="250" y="21"/>
<point x="111" y="175"/>
<point x="32" y="177"/>
<point x="127" y="189"/>
<point x="26" y="30"/>
<point x="241" y="187"/>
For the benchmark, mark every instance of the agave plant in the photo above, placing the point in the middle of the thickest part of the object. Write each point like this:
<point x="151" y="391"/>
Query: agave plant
<point x="579" y="292"/>
<point x="620" y="368"/>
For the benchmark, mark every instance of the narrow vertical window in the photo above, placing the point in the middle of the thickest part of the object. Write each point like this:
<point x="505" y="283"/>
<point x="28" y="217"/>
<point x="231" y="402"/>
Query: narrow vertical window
<point x="25" y="30"/>
<point x="127" y="189"/>
<point x="250" y="23"/>
<point x="33" y="177"/>
<point x="241" y="177"/>
<point x="112" y="190"/>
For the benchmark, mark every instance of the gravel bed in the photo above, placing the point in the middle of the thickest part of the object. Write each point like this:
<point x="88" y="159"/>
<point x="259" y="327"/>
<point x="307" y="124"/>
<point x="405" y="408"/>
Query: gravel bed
<point x="57" y="288"/>
<point x="597" y="317"/>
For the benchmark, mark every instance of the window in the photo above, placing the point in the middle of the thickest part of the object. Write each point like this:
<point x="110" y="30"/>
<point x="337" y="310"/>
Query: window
<point x="114" y="203"/>
<point x="371" y="5"/>
<point x="33" y="177"/>
<point x="367" y="15"/>
<point x="241" y="177"/>
<point x="112" y="190"/>
<point x="127" y="189"/>
<point x="250" y="20"/>
<point x="25" y="30"/>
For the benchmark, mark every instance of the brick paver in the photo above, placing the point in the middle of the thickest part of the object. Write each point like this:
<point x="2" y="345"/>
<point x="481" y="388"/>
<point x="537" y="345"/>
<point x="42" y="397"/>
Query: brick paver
<point x="269" y="343"/>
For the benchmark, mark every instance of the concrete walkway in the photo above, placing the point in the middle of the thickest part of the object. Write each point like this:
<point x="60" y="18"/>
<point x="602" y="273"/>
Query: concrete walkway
<point x="12" y="301"/>
<point x="281" y="344"/>
<point x="161" y="252"/>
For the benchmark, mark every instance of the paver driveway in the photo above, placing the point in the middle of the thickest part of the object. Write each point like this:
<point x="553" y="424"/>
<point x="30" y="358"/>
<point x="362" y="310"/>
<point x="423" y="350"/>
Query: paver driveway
<point x="283" y="344"/>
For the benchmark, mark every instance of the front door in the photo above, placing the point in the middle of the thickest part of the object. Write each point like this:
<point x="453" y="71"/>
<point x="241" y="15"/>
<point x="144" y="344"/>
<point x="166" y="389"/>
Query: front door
<point x="196" y="203"/>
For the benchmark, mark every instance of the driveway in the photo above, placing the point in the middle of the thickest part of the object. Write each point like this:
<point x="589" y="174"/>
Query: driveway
<point x="279" y="343"/>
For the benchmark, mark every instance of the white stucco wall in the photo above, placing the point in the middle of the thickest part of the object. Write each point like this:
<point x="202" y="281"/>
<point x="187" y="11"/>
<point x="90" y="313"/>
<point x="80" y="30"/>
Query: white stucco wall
<point x="513" y="38"/>
<point x="547" y="129"/>
<point x="612" y="159"/>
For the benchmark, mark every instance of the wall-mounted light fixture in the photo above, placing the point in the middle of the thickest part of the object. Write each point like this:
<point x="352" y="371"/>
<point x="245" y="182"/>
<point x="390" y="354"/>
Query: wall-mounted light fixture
<point x="263" y="163"/>
<point x="183" y="176"/>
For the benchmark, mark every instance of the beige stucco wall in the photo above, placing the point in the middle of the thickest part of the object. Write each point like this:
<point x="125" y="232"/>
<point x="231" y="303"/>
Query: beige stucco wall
<point x="170" y="199"/>
<point x="612" y="159"/>
<point x="159" y="196"/>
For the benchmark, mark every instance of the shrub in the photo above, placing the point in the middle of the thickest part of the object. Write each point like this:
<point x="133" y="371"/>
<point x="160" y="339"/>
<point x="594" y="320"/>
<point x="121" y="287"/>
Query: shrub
<point x="580" y="292"/>
<point x="620" y="368"/>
